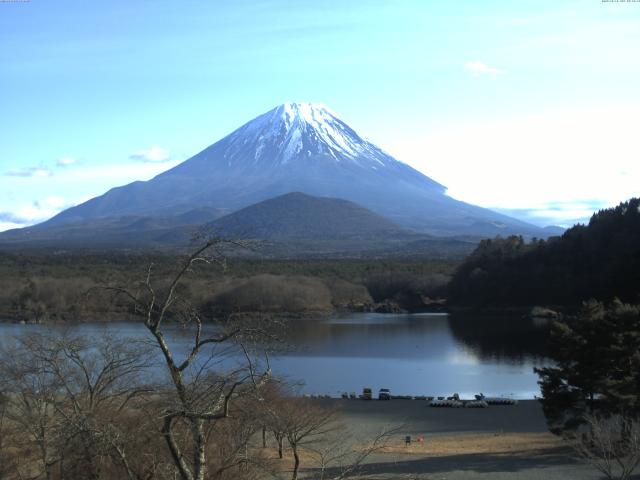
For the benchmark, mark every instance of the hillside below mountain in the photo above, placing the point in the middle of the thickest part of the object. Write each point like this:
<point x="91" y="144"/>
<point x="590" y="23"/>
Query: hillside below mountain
<point x="300" y="216"/>
<point x="296" y="224"/>
<point x="291" y="225"/>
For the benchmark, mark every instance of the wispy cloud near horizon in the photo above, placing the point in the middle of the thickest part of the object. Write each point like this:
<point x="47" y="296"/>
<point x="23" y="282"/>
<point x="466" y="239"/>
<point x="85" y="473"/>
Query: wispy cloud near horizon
<point x="26" y="172"/>
<point x="478" y="67"/>
<point x="34" y="212"/>
<point x="65" y="161"/>
<point x="79" y="184"/>
<point x="12" y="218"/>
<point x="563" y="164"/>
<point x="153" y="154"/>
<point x="559" y="213"/>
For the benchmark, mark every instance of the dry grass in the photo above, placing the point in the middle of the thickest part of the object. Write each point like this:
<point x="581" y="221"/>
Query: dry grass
<point x="487" y="443"/>
<point x="439" y="446"/>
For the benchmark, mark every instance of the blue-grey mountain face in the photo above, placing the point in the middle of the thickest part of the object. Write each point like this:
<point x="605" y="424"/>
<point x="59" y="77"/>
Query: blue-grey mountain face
<point x="298" y="147"/>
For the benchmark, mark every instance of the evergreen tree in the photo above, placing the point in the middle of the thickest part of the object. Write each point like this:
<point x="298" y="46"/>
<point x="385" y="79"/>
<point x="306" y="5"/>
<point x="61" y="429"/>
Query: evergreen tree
<point x="599" y="260"/>
<point x="597" y="371"/>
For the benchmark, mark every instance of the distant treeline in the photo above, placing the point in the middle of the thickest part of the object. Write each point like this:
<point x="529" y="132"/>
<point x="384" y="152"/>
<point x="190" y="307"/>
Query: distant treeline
<point x="600" y="260"/>
<point x="71" y="287"/>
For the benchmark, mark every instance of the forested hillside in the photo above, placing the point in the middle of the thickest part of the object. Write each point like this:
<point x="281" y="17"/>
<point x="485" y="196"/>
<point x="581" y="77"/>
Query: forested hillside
<point x="599" y="260"/>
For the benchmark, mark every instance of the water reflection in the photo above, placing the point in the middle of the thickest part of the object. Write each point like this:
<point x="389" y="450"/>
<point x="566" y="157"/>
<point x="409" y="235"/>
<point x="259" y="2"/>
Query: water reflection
<point x="505" y="338"/>
<point x="432" y="354"/>
<point x="374" y="335"/>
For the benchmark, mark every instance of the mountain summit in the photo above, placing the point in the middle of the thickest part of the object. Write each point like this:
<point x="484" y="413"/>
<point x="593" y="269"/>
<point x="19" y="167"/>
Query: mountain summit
<point x="309" y="134"/>
<point x="297" y="147"/>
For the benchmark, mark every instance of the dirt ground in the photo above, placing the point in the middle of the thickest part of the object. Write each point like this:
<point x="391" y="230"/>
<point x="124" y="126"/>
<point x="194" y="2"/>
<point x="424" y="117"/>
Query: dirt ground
<point x="498" y="443"/>
<point x="479" y="443"/>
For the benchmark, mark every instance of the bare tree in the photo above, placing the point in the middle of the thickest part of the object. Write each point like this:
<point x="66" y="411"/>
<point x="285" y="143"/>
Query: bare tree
<point x="304" y="423"/>
<point x="7" y="463"/>
<point x="611" y="445"/>
<point x="69" y="397"/>
<point x="198" y="397"/>
<point x="232" y="453"/>
<point x="273" y="415"/>
<point x="31" y="399"/>
<point x="339" y="458"/>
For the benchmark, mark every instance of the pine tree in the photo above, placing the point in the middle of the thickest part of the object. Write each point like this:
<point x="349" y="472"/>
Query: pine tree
<point x="597" y="371"/>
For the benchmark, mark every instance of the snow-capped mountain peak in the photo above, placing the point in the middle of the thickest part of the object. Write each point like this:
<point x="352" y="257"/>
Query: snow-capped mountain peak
<point x="325" y="125"/>
<point x="297" y="130"/>
<point x="295" y="147"/>
<point x="315" y="114"/>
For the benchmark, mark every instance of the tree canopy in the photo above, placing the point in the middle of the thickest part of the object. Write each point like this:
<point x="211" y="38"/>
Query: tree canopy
<point x="597" y="366"/>
<point x="599" y="260"/>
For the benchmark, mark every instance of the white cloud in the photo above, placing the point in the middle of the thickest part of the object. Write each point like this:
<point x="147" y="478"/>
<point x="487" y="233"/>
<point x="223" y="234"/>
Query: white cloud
<point x="39" y="172"/>
<point x="81" y="183"/>
<point x="34" y="212"/>
<point x="477" y="67"/>
<point x="9" y="226"/>
<point x="153" y="154"/>
<point x="41" y="210"/>
<point x="564" y="163"/>
<point x="8" y="217"/>
<point x="53" y="202"/>
<point x="564" y="214"/>
<point x="65" y="161"/>
<point x="111" y="175"/>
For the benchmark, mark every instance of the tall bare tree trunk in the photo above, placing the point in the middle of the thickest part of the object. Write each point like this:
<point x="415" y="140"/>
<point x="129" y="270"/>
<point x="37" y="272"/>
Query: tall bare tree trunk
<point x="200" y="461"/>
<point x="296" y="462"/>
<point x="279" y="439"/>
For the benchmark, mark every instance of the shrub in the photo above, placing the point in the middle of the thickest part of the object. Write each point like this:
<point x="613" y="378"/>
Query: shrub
<point x="273" y="293"/>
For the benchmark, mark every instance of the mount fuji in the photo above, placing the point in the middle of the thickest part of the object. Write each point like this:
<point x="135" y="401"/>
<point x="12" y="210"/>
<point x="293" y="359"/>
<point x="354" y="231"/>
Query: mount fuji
<point x="295" y="147"/>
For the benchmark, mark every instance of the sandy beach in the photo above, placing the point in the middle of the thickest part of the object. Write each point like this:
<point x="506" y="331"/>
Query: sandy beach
<point x="499" y="442"/>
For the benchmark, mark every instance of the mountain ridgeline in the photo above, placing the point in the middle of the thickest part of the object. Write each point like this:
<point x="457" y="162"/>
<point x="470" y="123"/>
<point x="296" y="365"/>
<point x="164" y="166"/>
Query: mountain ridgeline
<point x="600" y="260"/>
<point x="297" y="215"/>
<point x="296" y="147"/>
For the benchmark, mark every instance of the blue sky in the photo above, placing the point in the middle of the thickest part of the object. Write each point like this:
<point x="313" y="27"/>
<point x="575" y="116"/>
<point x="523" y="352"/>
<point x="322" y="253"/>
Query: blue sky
<point x="528" y="107"/>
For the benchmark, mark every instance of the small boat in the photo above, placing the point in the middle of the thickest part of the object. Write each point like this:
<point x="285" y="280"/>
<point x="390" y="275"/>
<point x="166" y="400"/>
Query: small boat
<point x="446" y="403"/>
<point x="500" y="401"/>
<point x="476" y="404"/>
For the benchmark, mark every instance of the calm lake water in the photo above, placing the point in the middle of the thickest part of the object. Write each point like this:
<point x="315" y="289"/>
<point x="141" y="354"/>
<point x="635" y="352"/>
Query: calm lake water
<point x="413" y="354"/>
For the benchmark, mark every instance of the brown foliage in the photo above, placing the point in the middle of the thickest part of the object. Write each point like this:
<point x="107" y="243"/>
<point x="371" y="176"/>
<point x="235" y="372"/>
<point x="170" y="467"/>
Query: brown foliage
<point x="274" y="293"/>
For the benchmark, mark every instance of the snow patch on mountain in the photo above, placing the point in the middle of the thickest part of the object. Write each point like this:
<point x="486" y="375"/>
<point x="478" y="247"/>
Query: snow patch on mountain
<point x="326" y="127"/>
<point x="295" y="130"/>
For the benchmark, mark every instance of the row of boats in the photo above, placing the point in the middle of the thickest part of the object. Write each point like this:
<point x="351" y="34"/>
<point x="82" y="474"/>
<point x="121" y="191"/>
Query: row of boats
<point x="472" y="403"/>
<point x="454" y="401"/>
<point x="480" y="401"/>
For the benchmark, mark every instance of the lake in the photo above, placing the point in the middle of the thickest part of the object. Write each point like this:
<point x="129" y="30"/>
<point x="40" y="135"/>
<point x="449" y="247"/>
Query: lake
<point x="412" y="354"/>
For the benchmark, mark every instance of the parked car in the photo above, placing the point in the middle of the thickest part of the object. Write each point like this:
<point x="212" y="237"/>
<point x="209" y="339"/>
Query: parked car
<point x="384" y="394"/>
<point x="366" y="394"/>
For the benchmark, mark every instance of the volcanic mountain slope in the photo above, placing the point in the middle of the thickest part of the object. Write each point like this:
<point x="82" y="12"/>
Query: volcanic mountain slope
<point x="128" y="231"/>
<point x="299" y="216"/>
<point x="297" y="224"/>
<point x="297" y="147"/>
<point x="291" y="225"/>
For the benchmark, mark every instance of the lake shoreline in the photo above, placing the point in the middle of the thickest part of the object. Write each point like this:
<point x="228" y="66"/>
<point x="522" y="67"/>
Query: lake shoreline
<point x="428" y="354"/>
<point x="524" y="417"/>
<point x="378" y="308"/>
<point x="496" y="443"/>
